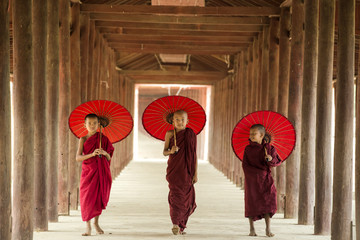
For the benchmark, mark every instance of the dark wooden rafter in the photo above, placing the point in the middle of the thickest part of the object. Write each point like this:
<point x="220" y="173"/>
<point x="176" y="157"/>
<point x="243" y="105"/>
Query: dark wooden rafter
<point x="173" y="10"/>
<point x="118" y="26"/>
<point x="111" y="37"/>
<point x="195" y="49"/>
<point x="201" y="77"/>
<point x="181" y="20"/>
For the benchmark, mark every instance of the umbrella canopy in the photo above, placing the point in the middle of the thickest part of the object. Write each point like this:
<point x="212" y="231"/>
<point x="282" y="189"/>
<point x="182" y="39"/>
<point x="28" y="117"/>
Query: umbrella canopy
<point x="155" y="116"/>
<point x="281" y="130"/>
<point x="115" y="119"/>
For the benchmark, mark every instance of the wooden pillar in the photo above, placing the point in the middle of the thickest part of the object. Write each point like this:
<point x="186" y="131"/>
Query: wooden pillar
<point x="5" y="113"/>
<point x="64" y="105"/>
<point x="23" y="178"/>
<point x="95" y="82"/>
<point x="259" y="69"/>
<point x="323" y="178"/>
<point x="294" y="110"/>
<point x="273" y="75"/>
<point x="84" y="54"/>
<point x="250" y="80"/>
<point x="357" y="154"/>
<point x="255" y="71"/>
<point x="273" y="84"/>
<point x="283" y="94"/>
<point x="245" y="83"/>
<point x="75" y="100"/>
<point x="242" y="99"/>
<point x="344" y="114"/>
<point x="52" y="107"/>
<point x="40" y="175"/>
<point x="265" y="70"/>
<point x="308" y="121"/>
<point x="90" y="85"/>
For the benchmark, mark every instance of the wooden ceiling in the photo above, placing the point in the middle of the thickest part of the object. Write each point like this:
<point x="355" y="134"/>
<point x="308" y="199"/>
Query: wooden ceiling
<point x="209" y="36"/>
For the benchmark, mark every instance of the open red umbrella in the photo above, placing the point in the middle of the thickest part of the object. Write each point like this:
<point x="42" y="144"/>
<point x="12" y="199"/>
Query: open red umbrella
<point x="281" y="130"/>
<point x="116" y="120"/>
<point x="156" y="113"/>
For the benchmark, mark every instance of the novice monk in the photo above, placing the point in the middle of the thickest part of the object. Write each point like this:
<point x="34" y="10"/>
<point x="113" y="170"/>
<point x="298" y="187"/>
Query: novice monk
<point x="95" y="181"/>
<point x="181" y="171"/>
<point x="260" y="191"/>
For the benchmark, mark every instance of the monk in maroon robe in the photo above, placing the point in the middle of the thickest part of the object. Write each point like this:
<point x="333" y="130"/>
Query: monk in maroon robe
<point x="260" y="191"/>
<point x="181" y="172"/>
<point x="95" y="181"/>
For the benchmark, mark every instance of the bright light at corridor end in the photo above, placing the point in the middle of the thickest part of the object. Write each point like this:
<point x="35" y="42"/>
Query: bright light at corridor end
<point x="152" y="92"/>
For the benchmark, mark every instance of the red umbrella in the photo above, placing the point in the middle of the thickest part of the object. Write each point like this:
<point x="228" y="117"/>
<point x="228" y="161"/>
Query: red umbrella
<point x="155" y="114"/>
<point x="116" y="120"/>
<point x="281" y="130"/>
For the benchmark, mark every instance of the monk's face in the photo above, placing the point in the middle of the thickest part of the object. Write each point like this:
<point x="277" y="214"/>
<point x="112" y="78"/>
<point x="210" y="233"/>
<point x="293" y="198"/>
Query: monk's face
<point x="91" y="124"/>
<point x="180" y="120"/>
<point x="256" y="135"/>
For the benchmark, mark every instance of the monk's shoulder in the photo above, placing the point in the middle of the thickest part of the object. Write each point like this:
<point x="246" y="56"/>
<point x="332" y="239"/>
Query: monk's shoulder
<point x="190" y="131"/>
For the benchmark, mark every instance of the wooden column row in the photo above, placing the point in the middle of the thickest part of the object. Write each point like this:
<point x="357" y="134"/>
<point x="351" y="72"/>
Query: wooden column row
<point x="5" y="110"/>
<point x="42" y="88"/>
<point x="256" y="86"/>
<point x="99" y="79"/>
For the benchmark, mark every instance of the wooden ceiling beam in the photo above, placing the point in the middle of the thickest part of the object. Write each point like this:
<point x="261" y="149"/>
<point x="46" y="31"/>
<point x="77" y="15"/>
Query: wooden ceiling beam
<point x="159" y="76"/>
<point x="119" y="25"/>
<point x="234" y="20"/>
<point x="172" y="49"/>
<point x="182" y="10"/>
<point x="136" y="37"/>
<point x="180" y="42"/>
<point x="140" y="31"/>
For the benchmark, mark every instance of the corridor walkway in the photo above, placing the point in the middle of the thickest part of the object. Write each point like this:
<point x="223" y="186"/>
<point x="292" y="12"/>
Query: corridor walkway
<point x="138" y="209"/>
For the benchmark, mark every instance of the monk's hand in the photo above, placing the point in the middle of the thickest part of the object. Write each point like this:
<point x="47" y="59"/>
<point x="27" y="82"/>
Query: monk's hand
<point x="103" y="152"/>
<point x="96" y="152"/>
<point x="174" y="149"/>
<point x="267" y="156"/>
<point x="195" y="179"/>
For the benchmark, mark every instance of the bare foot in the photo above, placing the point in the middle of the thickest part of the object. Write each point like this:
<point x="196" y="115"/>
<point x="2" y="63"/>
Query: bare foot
<point x="269" y="233"/>
<point x="176" y="230"/>
<point x="252" y="232"/>
<point x="88" y="230"/>
<point x="98" y="229"/>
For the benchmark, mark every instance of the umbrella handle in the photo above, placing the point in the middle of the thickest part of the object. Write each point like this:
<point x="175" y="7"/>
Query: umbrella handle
<point x="175" y="137"/>
<point x="100" y="140"/>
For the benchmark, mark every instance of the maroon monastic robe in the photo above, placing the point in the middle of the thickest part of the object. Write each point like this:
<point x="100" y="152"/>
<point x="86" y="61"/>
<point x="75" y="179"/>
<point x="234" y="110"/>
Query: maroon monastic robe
<point x="180" y="173"/>
<point x="260" y="191"/>
<point x="95" y="181"/>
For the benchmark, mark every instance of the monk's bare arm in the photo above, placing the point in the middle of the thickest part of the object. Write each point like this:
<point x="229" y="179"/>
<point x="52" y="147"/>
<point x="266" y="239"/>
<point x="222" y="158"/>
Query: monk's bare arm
<point x="79" y="156"/>
<point x="166" y="150"/>
<point x="195" y="178"/>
